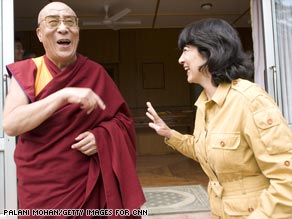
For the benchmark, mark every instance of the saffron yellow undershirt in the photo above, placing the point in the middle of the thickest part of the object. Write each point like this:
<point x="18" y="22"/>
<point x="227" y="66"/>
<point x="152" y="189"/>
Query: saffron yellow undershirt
<point x="43" y="76"/>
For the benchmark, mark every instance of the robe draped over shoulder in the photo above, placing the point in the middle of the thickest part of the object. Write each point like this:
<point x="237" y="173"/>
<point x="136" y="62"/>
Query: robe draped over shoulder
<point x="50" y="174"/>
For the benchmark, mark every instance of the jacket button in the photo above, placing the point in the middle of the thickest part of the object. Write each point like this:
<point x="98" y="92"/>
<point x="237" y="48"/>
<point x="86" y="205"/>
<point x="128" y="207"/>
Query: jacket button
<point x="222" y="143"/>
<point x="270" y="121"/>
<point x="287" y="163"/>
<point x="250" y="210"/>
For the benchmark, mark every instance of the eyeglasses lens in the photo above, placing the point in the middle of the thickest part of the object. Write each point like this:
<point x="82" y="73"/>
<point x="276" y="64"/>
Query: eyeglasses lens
<point x="55" y="21"/>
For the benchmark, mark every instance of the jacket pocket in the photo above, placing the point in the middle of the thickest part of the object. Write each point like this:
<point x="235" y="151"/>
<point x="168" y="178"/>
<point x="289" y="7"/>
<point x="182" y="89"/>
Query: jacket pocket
<point x="225" y="141"/>
<point x="240" y="206"/>
<point x="224" y="152"/>
<point x="271" y="126"/>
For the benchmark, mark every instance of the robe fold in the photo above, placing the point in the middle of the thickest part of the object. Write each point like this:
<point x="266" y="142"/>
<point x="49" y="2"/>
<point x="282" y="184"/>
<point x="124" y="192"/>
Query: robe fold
<point x="50" y="174"/>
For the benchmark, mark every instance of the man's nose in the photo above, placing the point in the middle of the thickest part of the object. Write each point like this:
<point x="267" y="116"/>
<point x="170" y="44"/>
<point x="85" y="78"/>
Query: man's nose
<point x="62" y="26"/>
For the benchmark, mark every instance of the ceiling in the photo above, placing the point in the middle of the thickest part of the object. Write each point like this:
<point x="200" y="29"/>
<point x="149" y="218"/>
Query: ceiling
<point x="150" y="13"/>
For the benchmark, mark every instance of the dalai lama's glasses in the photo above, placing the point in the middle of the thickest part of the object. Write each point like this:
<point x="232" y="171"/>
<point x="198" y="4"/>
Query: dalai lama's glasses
<point x="53" y="22"/>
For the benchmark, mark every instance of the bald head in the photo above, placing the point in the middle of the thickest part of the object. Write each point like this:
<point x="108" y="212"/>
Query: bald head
<point x="55" y="8"/>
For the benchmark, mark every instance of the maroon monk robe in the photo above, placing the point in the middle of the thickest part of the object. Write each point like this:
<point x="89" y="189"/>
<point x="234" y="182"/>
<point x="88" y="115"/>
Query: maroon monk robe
<point x="50" y="174"/>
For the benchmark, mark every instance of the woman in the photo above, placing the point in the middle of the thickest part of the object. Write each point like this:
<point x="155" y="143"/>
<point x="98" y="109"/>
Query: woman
<point x="241" y="139"/>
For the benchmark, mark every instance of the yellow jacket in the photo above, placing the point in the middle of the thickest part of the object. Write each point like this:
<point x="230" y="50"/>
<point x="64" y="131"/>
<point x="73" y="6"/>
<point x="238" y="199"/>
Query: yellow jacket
<point x="244" y="145"/>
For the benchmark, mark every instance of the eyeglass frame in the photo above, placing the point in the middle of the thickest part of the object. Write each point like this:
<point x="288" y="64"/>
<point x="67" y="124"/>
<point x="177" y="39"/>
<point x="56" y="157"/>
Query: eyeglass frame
<point x="60" y="20"/>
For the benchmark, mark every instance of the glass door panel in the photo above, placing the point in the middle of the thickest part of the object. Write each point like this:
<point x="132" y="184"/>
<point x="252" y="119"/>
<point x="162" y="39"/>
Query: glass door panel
<point x="282" y="15"/>
<point x="277" y="26"/>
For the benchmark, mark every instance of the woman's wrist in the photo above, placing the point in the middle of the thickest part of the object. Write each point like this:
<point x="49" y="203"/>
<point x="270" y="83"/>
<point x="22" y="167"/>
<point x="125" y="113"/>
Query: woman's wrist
<point x="169" y="134"/>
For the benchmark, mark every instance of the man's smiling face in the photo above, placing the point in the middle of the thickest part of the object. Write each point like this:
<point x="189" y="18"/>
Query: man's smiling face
<point x="58" y="34"/>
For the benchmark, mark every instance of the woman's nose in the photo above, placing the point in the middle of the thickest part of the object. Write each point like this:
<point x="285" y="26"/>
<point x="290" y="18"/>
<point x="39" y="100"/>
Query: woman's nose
<point x="180" y="60"/>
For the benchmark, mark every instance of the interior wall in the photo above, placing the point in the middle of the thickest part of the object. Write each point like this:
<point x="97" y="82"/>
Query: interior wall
<point x="144" y="64"/>
<point x="153" y="64"/>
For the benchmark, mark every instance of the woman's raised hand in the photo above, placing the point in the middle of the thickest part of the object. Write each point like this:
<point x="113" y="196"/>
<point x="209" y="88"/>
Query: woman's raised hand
<point x="157" y="123"/>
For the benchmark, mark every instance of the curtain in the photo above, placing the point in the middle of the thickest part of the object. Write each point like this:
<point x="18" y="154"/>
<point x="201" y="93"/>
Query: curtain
<point x="283" y="32"/>
<point x="258" y="42"/>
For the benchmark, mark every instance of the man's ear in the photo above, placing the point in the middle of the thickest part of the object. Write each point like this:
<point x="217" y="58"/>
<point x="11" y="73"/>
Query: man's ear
<point x="39" y="34"/>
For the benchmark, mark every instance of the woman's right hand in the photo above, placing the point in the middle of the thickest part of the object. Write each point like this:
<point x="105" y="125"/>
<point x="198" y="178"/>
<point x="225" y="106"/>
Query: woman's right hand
<point x="157" y="123"/>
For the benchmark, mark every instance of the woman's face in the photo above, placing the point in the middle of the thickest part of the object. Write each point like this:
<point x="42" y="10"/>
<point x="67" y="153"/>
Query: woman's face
<point x="192" y="60"/>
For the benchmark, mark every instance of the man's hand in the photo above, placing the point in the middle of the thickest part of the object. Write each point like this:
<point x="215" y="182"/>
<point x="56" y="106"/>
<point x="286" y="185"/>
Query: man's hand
<point x="85" y="143"/>
<point x="85" y="97"/>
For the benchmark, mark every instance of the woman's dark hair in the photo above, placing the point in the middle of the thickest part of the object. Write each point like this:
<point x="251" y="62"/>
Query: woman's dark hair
<point x="219" y="43"/>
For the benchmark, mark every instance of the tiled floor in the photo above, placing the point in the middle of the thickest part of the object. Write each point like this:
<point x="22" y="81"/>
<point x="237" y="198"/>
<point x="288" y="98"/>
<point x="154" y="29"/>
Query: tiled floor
<point x="171" y="170"/>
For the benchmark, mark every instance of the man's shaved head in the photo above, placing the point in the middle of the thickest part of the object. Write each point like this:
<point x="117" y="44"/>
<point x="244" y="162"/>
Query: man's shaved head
<point x="54" y="6"/>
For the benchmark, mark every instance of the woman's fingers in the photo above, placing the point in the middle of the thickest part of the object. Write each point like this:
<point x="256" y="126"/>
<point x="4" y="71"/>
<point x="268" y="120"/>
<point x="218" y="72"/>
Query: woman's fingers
<point x="152" y="114"/>
<point x="149" y="115"/>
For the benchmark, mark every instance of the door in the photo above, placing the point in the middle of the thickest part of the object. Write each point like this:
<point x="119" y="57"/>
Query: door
<point x="8" y="193"/>
<point x="277" y="24"/>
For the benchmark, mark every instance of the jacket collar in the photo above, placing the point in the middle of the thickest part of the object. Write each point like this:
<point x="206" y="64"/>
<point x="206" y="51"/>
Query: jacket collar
<point x="218" y="97"/>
